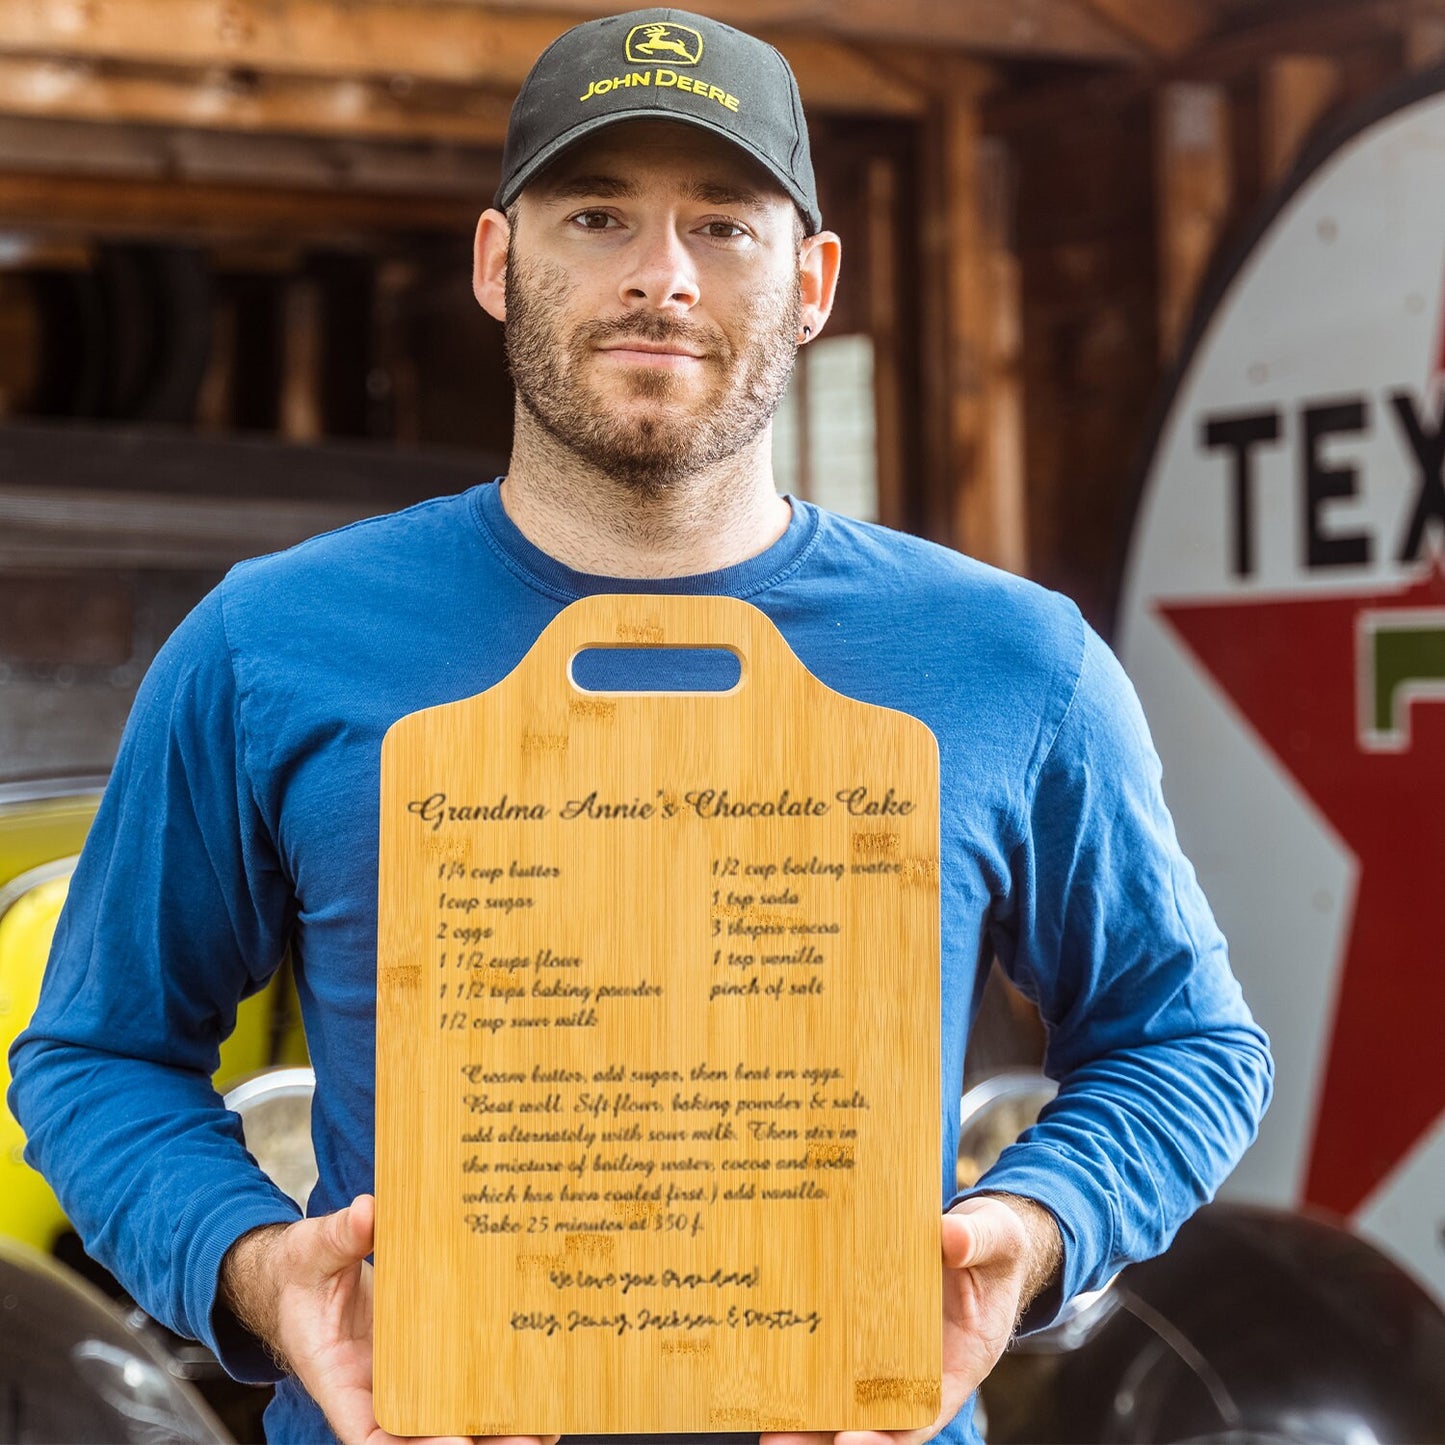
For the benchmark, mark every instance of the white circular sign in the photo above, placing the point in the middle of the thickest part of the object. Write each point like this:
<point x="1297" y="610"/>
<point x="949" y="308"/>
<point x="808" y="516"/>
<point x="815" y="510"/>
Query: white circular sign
<point x="1283" y="616"/>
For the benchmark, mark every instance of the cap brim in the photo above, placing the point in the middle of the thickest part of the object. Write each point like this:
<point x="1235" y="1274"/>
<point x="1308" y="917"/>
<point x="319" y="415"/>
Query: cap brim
<point x="511" y="189"/>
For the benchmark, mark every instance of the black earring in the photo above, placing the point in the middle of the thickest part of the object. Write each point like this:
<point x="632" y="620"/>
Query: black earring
<point x="807" y="332"/>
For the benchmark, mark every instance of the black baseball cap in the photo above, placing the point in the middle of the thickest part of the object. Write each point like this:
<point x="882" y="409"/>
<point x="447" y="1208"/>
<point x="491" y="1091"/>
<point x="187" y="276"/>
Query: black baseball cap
<point x="662" y="65"/>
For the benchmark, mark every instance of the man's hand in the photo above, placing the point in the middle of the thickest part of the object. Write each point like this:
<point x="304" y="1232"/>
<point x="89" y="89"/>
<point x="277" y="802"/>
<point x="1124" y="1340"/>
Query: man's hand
<point x="304" y="1290"/>
<point x="998" y="1253"/>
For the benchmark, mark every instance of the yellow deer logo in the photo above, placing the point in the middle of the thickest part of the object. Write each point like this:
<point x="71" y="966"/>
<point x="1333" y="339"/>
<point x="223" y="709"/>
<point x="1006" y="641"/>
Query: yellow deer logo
<point x="678" y="43"/>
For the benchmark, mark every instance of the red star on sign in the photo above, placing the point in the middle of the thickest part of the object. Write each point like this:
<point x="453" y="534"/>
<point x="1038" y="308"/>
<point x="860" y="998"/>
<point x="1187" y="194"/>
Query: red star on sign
<point x="1347" y="693"/>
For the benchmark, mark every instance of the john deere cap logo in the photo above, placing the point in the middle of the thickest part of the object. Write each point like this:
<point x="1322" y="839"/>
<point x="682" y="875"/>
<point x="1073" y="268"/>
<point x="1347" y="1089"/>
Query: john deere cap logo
<point x="677" y="44"/>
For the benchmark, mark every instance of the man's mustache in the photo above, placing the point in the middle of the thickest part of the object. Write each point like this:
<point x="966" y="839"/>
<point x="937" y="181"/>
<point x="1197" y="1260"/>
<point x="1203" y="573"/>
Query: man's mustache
<point x="661" y="330"/>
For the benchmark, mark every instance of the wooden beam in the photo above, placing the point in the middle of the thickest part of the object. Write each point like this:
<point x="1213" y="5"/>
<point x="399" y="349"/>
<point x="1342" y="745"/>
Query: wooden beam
<point x="127" y="206"/>
<point x="1164" y="27"/>
<point x="64" y="527"/>
<point x="213" y="396"/>
<point x="845" y="78"/>
<point x="1041" y="29"/>
<point x="1003" y="360"/>
<point x="174" y="465"/>
<point x="1424" y="33"/>
<point x="919" y="70"/>
<point x="1329" y="27"/>
<point x="310" y="37"/>
<point x="20" y="343"/>
<point x="1059" y="29"/>
<point x="460" y="44"/>
<point x="72" y="147"/>
<point x="1296" y="92"/>
<point x="1045" y="108"/>
<point x="989" y="514"/>
<point x="1194" y="181"/>
<point x="300" y="411"/>
<point x="881" y="181"/>
<point x="979" y="324"/>
<point x="965" y="309"/>
<point x="240" y="100"/>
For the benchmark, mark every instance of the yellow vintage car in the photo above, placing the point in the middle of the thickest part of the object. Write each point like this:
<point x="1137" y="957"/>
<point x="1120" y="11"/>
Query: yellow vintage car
<point x="42" y="827"/>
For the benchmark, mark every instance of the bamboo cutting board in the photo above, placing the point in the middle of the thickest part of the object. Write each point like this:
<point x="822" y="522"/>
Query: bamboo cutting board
<point x="658" y="1049"/>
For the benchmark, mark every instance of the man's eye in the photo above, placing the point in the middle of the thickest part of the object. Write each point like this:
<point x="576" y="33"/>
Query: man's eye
<point x="594" y="220"/>
<point x="724" y="230"/>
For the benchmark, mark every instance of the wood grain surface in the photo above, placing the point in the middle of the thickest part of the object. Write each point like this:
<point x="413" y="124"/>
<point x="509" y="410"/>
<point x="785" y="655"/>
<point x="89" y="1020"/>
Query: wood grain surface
<point x="658" y="1049"/>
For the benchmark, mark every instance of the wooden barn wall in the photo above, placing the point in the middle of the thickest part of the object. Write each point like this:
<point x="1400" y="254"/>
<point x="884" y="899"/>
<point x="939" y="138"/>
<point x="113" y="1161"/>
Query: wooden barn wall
<point x="1087" y="230"/>
<point x="1085" y="240"/>
<point x="1092" y="232"/>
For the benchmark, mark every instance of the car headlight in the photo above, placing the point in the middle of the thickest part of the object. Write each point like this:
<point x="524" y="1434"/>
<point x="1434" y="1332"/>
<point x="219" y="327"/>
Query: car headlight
<point x="993" y="1114"/>
<point x="275" y="1110"/>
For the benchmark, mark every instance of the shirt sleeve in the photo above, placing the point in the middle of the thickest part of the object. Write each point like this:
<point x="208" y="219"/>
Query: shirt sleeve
<point x="1163" y="1074"/>
<point x="177" y="911"/>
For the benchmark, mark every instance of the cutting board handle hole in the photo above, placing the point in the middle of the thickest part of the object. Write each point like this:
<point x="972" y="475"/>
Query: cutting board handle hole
<point x="657" y="668"/>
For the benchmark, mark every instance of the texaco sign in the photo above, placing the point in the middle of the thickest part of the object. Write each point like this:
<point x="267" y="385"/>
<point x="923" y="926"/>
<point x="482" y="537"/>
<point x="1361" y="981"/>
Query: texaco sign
<point x="1283" y="617"/>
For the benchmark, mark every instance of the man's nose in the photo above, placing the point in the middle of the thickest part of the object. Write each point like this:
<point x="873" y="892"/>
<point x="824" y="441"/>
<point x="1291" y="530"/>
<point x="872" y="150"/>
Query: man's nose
<point x="661" y="274"/>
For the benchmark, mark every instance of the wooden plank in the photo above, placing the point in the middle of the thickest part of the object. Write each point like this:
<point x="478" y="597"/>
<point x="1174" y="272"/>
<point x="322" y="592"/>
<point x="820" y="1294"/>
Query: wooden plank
<point x="637" y="1062"/>
<point x="836" y="77"/>
<point x="312" y="37"/>
<point x="58" y="147"/>
<point x="1007" y="502"/>
<point x="1049" y="107"/>
<point x="985" y="496"/>
<point x="1334" y="27"/>
<point x="250" y="101"/>
<point x="389" y="39"/>
<point x="1060" y="29"/>
<point x="20" y="337"/>
<point x="498" y="41"/>
<point x="1424" y="23"/>
<point x="82" y="497"/>
<point x="937" y="477"/>
<point x="1086" y="235"/>
<point x="165" y="464"/>
<point x="1296" y="92"/>
<point x="1194" y="179"/>
<point x="300" y="418"/>
<point x="215" y="393"/>
<point x="1165" y="27"/>
<point x="884" y="328"/>
<point x="129" y="206"/>
<point x="69" y="527"/>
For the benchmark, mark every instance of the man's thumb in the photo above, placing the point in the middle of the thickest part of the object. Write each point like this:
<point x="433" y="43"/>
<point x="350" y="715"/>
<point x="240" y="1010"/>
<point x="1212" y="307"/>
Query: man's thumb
<point x="972" y="1235"/>
<point x="347" y="1236"/>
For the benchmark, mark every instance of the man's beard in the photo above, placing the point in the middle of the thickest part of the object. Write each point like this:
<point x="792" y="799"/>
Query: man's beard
<point x="656" y="450"/>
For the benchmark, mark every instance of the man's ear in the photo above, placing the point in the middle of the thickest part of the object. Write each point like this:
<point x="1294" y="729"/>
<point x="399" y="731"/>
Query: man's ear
<point x="489" y="263"/>
<point x="818" y="261"/>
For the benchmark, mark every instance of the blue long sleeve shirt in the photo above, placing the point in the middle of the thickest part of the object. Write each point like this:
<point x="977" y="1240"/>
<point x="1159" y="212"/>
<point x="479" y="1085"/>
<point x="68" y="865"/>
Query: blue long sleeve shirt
<point x="242" y="816"/>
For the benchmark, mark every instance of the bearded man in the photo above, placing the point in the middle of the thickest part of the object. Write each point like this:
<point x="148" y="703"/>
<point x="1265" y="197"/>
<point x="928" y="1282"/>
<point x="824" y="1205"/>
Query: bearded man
<point x="657" y="256"/>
